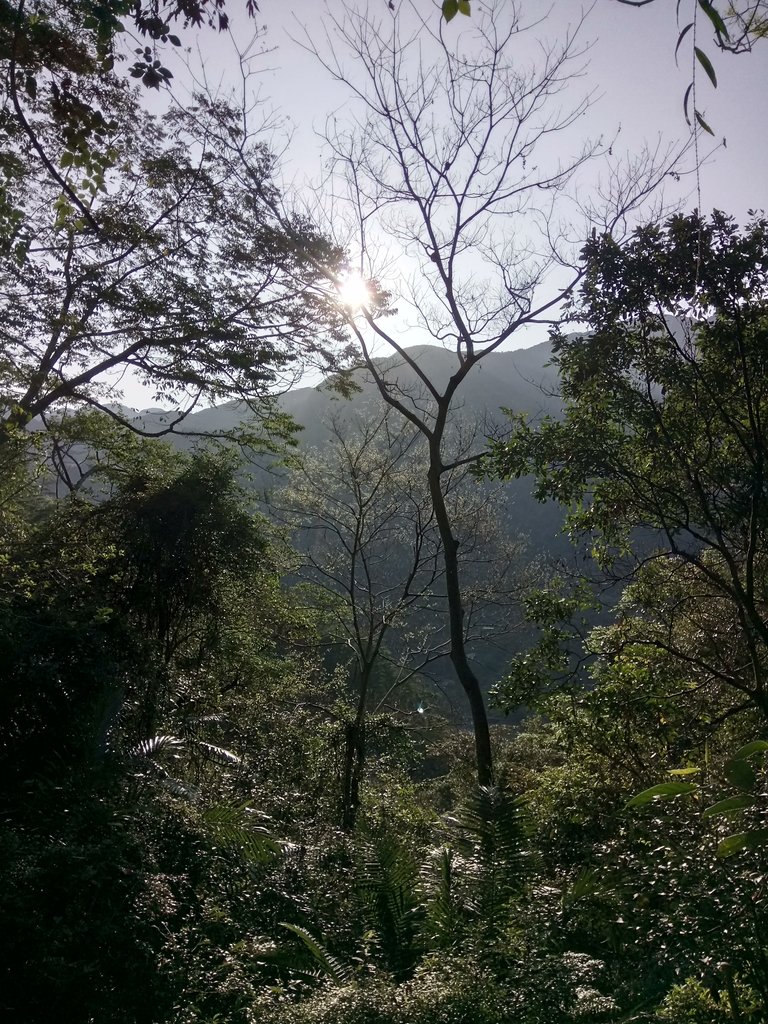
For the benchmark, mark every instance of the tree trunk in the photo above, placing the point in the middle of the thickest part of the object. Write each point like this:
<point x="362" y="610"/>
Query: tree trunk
<point x="354" y="761"/>
<point x="458" y="651"/>
<point x="354" y="757"/>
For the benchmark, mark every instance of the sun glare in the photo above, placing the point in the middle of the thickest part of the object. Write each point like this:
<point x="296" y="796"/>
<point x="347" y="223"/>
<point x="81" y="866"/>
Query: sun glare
<point x="354" y="292"/>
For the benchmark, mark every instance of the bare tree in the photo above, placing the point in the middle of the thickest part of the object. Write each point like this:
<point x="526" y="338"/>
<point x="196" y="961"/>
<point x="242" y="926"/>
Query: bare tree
<point x="370" y="551"/>
<point x="454" y="159"/>
<point x="449" y="188"/>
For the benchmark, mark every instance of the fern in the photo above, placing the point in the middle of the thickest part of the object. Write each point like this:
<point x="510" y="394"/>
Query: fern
<point x="390" y="904"/>
<point x="490" y="830"/>
<point x="337" y="971"/>
<point x="156" y="746"/>
<point x="219" y="754"/>
<point x="444" y="924"/>
<point x="229" y="829"/>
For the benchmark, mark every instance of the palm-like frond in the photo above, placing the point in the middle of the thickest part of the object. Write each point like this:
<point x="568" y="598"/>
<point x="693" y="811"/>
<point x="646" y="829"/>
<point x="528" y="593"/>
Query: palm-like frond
<point x="490" y="831"/>
<point x="219" y="754"/>
<point x="230" y="829"/>
<point x="157" y="746"/>
<point x="332" y="968"/>
<point x="390" y="903"/>
<point x="444" y="924"/>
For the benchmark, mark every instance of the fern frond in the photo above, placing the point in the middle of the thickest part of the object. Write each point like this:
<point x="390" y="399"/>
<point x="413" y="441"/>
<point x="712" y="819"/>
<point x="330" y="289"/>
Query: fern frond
<point x="491" y="831"/>
<point x="156" y="746"/>
<point x="390" y="903"/>
<point x="444" y="913"/>
<point x="333" y="968"/>
<point x="230" y="830"/>
<point x="219" y="754"/>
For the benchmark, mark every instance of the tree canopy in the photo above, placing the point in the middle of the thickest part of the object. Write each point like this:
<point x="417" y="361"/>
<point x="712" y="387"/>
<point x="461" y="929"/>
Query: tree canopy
<point x="665" y="427"/>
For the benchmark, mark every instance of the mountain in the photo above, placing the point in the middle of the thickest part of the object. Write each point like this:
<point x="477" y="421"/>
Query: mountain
<point x="521" y="380"/>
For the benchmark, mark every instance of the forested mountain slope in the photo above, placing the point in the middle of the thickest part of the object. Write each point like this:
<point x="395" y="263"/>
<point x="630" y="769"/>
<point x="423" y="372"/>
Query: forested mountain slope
<point x="522" y="381"/>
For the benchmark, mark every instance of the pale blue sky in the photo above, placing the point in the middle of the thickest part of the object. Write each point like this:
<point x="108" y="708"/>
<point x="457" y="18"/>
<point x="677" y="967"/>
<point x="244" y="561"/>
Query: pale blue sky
<point x="631" y="66"/>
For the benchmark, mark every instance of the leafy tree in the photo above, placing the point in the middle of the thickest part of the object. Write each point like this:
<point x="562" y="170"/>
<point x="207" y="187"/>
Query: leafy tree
<point x="178" y="273"/>
<point x="146" y="672"/>
<point x="65" y="53"/>
<point x="665" y="432"/>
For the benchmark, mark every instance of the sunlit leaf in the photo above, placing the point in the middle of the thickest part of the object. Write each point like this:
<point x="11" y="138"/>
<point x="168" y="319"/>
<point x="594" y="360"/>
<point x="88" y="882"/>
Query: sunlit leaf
<point x="155" y="746"/>
<point x="743" y="841"/>
<point x="663" y="790"/>
<point x="220" y="754"/>
<point x="230" y="830"/>
<point x="732" y="803"/>
<point x="335" y="969"/>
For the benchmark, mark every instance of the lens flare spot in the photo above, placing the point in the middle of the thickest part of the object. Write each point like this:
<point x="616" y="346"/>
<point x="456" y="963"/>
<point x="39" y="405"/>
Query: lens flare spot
<point x="354" y="292"/>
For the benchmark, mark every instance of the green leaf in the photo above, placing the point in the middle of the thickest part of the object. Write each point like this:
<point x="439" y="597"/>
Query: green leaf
<point x="743" y="841"/>
<point x="338" y="971"/>
<point x="755" y="747"/>
<point x="684" y="771"/>
<point x="465" y="8"/>
<point x="682" y="36"/>
<point x="740" y="774"/>
<point x="706" y="63"/>
<point x="663" y="789"/>
<point x="450" y="9"/>
<point x="716" y="18"/>
<point x="732" y="803"/>
<point x="702" y="123"/>
<point x="686" y="99"/>
<point x="586" y="884"/>
<point x="229" y="828"/>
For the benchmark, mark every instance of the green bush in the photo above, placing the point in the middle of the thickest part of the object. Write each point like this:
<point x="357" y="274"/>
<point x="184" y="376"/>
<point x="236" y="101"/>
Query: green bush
<point x="692" y="1003"/>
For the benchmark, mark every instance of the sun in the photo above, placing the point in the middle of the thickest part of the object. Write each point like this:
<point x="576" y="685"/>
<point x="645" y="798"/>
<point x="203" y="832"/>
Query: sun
<point x="354" y="291"/>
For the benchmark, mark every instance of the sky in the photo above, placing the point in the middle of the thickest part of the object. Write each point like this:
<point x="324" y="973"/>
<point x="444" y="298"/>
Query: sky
<point x="637" y="90"/>
<point x="632" y="70"/>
